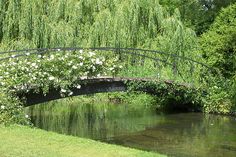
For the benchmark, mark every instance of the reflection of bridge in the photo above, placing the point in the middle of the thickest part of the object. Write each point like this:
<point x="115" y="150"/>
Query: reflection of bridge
<point x="180" y="66"/>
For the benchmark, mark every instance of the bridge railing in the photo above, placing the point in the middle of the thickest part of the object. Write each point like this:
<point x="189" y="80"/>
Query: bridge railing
<point x="135" y="62"/>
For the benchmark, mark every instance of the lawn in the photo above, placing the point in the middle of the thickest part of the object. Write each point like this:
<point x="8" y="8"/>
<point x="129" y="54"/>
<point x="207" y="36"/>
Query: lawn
<point x="21" y="141"/>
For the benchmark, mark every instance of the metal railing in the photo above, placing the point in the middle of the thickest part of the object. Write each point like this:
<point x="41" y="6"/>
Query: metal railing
<point x="180" y="65"/>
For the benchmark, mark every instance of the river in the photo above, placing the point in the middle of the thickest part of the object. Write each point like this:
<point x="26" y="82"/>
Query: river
<point x="177" y="135"/>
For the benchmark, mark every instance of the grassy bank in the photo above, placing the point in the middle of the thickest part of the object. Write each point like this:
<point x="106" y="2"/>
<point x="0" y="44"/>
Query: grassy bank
<point x="19" y="141"/>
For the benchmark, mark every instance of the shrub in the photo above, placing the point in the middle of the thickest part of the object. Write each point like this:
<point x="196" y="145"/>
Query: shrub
<point x="219" y="43"/>
<point x="218" y="47"/>
<point x="11" y="111"/>
<point x="40" y="72"/>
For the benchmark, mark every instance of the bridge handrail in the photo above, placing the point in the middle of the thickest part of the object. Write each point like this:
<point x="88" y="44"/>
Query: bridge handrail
<point x="38" y="52"/>
<point x="43" y="50"/>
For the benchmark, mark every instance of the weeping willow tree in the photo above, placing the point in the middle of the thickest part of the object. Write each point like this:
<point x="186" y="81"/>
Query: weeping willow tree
<point x="93" y="23"/>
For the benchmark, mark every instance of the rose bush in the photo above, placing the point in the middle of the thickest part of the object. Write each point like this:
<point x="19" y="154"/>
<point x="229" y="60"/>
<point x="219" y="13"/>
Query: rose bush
<point x="55" y="69"/>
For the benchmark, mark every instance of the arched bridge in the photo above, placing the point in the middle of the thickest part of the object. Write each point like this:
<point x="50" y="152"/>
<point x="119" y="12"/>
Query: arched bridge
<point x="39" y="75"/>
<point x="96" y="85"/>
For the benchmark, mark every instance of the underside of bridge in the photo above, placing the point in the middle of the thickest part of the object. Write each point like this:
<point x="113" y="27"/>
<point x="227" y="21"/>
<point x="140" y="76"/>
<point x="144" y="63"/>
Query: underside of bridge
<point x="88" y="86"/>
<point x="99" y="85"/>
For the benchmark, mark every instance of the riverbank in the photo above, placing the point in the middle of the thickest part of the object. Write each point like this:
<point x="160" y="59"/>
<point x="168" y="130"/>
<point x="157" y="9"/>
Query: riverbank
<point x="21" y="141"/>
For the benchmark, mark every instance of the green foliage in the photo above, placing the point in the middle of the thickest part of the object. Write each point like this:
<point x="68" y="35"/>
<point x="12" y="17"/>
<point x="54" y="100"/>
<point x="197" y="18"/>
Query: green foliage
<point x="219" y="51"/>
<point x="197" y="14"/>
<point x="11" y="112"/>
<point x="83" y="23"/>
<point x="219" y="99"/>
<point x="218" y="44"/>
<point x="40" y="72"/>
<point x="93" y="23"/>
<point x="170" y="95"/>
<point x="60" y="70"/>
<point x="233" y="94"/>
<point x="134" y="99"/>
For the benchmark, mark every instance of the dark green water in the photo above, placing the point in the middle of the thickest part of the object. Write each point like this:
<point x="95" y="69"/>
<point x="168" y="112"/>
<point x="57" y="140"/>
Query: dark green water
<point x="178" y="135"/>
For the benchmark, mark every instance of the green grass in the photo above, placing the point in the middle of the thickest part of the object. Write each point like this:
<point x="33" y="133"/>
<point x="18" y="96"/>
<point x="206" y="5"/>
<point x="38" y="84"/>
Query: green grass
<point x="21" y="141"/>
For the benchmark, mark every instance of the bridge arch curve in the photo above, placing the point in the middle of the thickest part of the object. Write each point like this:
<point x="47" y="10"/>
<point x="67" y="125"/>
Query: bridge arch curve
<point x="106" y="84"/>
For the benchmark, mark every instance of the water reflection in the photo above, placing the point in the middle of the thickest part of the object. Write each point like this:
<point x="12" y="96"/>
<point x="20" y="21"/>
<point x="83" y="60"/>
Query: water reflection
<point x="93" y="121"/>
<point x="187" y="135"/>
<point x="179" y="135"/>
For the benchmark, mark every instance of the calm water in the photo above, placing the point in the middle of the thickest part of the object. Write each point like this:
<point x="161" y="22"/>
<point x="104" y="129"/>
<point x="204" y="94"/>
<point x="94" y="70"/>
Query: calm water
<point x="177" y="135"/>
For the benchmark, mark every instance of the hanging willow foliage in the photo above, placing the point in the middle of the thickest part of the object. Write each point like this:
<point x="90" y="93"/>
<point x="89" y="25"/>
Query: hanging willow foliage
<point x="93" y="23"/>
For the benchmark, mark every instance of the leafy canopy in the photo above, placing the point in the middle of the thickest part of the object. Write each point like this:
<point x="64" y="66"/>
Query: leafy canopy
<point x="93" y="23"/>
<point x="219" y="43"/>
